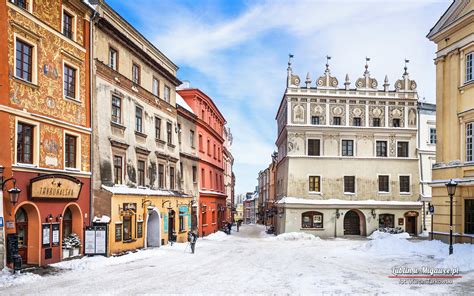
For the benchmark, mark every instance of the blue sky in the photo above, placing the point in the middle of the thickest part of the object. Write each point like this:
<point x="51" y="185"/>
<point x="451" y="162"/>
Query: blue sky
<point x="237" y="53"/>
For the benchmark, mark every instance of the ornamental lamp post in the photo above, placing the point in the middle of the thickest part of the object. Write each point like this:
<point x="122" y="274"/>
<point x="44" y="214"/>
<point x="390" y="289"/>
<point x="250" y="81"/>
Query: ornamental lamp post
<point x="451" y="187"/>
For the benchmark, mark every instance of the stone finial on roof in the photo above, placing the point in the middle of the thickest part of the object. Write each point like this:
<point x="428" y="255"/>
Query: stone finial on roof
<point x="308" y="80"/>
<point x="386" y="84"/>
<point x="327" y="81"/>
<point x="366" y="82"/>
<point x="347" y="82"/>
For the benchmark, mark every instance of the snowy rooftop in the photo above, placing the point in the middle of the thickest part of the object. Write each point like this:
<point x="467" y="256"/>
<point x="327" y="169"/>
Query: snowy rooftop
<point x="210" y="192"/>
<point x="368" y="202"/>
<point x="180" y="101"/>
<point x="123" y="189"/>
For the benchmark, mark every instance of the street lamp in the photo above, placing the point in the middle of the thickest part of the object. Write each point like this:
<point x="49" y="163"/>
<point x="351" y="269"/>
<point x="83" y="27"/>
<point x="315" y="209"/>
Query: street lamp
<point x="451" y="187"/>
<point x="14" y="192"/>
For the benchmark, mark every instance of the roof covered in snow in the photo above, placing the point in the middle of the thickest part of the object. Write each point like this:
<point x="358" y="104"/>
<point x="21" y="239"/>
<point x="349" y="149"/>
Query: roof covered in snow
<point x="123" y="189"/>
<point x="368" y="202"/>
<point x="181" y="102"/>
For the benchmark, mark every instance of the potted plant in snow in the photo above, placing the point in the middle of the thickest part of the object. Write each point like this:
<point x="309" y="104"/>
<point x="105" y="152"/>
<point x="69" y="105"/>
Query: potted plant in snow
<point x="71" y="245"/>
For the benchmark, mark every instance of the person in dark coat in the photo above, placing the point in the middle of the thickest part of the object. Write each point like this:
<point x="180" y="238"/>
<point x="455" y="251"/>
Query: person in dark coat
<point x="229" y="227"/>
<point x="192" y="238"/>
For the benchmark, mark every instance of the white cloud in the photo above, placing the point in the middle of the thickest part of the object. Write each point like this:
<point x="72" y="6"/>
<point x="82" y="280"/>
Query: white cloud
<point x="240" y="61"/>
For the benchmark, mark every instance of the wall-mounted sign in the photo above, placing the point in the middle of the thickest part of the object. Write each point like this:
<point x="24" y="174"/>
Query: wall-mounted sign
<point x="55" y="234"/>
<point x="95" y="240"/>
<point x="55" y="186"/>
<point x="183" y="209"/>
<point x="46" y="235"/>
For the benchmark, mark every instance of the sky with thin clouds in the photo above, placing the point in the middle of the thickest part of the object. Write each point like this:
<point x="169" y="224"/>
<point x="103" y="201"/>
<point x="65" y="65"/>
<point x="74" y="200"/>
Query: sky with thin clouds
<point x="237" y="53"/>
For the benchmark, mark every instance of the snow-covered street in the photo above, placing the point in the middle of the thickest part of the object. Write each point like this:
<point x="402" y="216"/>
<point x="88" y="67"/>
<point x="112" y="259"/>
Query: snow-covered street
<point x="251" y="262"/>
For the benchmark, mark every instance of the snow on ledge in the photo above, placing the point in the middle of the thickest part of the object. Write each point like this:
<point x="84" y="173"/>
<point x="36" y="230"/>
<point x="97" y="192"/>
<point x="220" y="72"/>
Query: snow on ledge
<point x="369" y="202"/>
<point x="103" y="219"/>
<point x="124" y="189"/>
<point x="211" y="192"/>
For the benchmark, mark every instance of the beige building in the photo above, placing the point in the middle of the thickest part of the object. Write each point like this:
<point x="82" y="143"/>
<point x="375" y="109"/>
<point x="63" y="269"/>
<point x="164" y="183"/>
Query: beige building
<point x="347" y="159"/>
<point x="454" y="37"/>
<point x="136" y="145"/>
<point x="229" y="177"/>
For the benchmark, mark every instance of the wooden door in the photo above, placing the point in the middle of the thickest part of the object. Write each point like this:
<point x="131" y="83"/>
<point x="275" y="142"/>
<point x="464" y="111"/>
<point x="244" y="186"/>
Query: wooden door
<point x="410" y="226"/>
<point x="351" y="223"/>
<point x="21" y="221"/>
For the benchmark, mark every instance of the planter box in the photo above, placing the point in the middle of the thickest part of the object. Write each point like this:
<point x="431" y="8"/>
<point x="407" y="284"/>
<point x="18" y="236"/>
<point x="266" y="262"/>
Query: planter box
<point x="66" y="253"/>
<point x="75" y="252"/>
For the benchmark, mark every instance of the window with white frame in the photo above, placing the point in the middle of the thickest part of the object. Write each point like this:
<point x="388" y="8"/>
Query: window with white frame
<point x="70" y="151"/>
<point x="404" y="184"/>
<point x="469" y="66"/>
<point x="24" y="60"/>
<point x="167" y="93"/>
<point x="469" y="154"/>
<point x="68" y="24"/>
<point x="70" y="83"/>
<point x="113" y="58"/>
<point x="155" y="86"/>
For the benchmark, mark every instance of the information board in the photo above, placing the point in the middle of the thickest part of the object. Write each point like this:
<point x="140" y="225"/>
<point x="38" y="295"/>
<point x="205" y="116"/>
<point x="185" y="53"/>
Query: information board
<point x="89" y="245"/>
<point x="55" y="234"/>
<point x="100" y="240"/>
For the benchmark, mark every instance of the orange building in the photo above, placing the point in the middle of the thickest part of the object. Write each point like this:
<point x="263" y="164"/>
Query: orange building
<point x="46" y="129"/>
<point x="209" y="126"/>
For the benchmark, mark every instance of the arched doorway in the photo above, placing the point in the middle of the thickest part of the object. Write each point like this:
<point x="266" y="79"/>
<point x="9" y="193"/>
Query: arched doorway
<point x="28" y="230"/>
<point x="72" y="222"/>
<point x="67" y="223"/>
<point x="153" y="229"/>
<point x="171" y="225"/>
<point x="21" y="221"/>
<point x="354" y="223"/>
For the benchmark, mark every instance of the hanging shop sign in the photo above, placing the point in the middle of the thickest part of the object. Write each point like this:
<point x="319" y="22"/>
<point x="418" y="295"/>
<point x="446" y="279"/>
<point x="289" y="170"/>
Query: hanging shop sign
<point x="55" y="186"/>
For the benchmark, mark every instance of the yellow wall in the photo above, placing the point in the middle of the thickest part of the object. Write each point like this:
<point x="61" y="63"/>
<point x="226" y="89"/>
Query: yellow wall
<point x="141" y="214"/>
<point x="455" y="108"/>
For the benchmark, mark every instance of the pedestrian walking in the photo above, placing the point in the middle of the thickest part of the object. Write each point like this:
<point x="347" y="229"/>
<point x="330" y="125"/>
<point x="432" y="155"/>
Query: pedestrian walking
<point x="238" y="224"/>
<point x="192" y="238"/>
<point x="229" y="227"/>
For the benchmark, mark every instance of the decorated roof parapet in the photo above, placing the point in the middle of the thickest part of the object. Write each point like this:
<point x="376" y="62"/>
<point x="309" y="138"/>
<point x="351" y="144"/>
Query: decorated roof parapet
<point x="327" y="81"/>
<point x="405" y="84"/>
<point x="366" y="82"/>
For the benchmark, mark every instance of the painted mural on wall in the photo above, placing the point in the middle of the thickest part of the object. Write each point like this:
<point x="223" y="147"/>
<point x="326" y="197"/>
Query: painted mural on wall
<point x="46" y="97"/>
<point x="51" y="146"/>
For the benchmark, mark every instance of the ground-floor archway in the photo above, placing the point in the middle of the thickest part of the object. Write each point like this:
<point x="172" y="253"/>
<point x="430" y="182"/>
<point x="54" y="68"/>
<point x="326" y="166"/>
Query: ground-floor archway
<point x="354" y="223"/>
<point x="153" y="228"/>
<point x="72" y="222"/>
<point x="27" y="226"/>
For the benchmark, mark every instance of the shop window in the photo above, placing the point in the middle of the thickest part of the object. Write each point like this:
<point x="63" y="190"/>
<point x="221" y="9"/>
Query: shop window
<point x="349" y="184"/>
<point x="127" y="228"/>
<point x="347" y="148"/>
<point x="383" y="183"/>
<point x="314" y="183"/>
<point x="118" y="232"/>
<point x="25" y="143"/>
<point x="381" y="148"/>
<point x="139" y="229"/>
<point x="214" y="217"/>
<point x="402" y="149"/>
<point x="314" y="147"/>
<point x="116" y="109"/>
<point x="71" y="151"/>
<point x="404" y="184"/>
<point x="312" y="220"/>
<point x="67" y="223"/>
<point x="118" y="169"/>
<point x="386" y="220"/>
<point x="181" y="222"/>
<point x="469" y="216"/>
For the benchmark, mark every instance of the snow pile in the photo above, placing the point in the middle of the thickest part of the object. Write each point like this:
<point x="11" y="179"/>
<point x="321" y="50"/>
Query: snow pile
<point x="8" y="279"/>
<point x="103" y="219"/>
<point x="382" y="235"/>
<point x="390" y="244"/>
<point x="217" y="236"/>
<point x="295" y="236"/>
<point x="462" y="257"/>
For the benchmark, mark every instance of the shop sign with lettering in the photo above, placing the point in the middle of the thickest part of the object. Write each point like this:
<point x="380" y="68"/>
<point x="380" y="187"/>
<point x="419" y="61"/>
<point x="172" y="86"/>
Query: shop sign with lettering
<point x="55" y="186"/>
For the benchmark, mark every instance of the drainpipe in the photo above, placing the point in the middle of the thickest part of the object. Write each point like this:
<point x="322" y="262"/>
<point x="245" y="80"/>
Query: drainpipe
<point x="421" y="163"/>
<point x="95" y="14"/>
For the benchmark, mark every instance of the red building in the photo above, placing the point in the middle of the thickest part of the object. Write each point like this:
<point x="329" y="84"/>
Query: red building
<point x="209" y="127"/>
